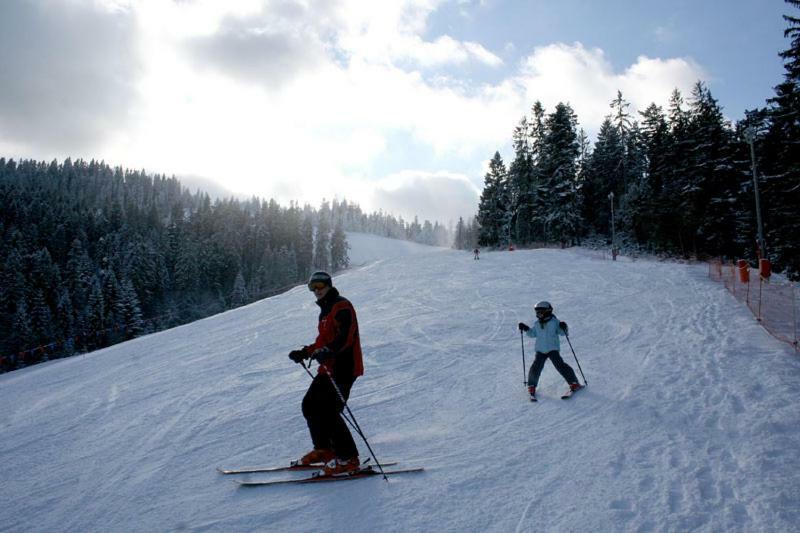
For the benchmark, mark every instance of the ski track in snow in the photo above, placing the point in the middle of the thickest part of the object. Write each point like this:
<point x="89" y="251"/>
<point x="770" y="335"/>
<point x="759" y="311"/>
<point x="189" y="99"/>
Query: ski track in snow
<point x="689" y="422"/>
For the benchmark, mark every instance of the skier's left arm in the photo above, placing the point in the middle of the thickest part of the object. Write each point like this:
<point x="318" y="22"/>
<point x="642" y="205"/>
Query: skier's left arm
<point x="563" y="329"/>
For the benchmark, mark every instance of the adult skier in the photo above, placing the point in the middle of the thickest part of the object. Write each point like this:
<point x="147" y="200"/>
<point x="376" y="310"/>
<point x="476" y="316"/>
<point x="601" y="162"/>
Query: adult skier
<point x="337" y="349"/>
<point x="546" y="330"/>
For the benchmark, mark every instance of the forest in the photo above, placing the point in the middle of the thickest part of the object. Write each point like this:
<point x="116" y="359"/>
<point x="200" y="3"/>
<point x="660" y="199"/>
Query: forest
<point x="681" y="181"/>
<point x="93" y="255"/>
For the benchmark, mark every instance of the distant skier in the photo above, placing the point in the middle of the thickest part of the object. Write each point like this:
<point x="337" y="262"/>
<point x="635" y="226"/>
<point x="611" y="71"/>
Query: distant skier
<point x="477" y="253"/>
<point x="546" y="331"/>
<point x="338" y="351"/>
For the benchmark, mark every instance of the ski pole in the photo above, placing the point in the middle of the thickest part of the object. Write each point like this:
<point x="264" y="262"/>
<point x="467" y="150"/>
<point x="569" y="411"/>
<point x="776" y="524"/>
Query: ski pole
<point x="346" y="419"/>
<point x="354" y="422"/>
<point x="522" y="343"/>
<point x="576" y="360"/>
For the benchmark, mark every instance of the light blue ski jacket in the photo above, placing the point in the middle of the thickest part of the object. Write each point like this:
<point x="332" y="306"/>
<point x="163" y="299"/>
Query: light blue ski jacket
<point x="546" y="335"/>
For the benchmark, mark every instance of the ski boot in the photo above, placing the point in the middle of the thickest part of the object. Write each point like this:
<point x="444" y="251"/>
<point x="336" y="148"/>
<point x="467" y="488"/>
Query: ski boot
<point x="316" y="456"/>
<point x="532" y="392"/>
<point x="337" y="467"/>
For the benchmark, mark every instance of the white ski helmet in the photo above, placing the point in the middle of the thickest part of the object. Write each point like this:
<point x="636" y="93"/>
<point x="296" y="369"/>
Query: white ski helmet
<point x="543" y="309"/>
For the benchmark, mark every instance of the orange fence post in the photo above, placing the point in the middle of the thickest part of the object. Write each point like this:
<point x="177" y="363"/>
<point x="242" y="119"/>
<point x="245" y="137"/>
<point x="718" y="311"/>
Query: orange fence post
<point x="764" y="268"/>
<point x="744" y="271"/>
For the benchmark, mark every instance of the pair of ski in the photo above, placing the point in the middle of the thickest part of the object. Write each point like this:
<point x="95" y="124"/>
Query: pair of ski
<point x="566" y="396"/>
<point x="317" y="476"/>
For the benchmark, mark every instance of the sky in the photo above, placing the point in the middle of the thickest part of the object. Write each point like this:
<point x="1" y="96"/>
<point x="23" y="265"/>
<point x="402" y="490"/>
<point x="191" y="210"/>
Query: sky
<point x="396" y="105"/>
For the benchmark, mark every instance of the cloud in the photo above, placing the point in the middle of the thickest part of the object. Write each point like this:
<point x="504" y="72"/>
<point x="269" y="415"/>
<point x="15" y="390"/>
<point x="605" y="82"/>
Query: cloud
<point x="270" y="48"/>
<point x="67" y="73"/>
<point x="439" y="196"/>
<point x="586" y="80"/>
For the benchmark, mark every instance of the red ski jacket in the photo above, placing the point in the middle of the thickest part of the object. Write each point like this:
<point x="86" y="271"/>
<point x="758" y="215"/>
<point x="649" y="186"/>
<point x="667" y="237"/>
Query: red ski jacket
<point x="338" y="332"/>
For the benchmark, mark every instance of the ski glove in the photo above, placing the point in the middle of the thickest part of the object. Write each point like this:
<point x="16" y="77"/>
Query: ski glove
<point x="523" y="326"/>
<point x="297" y="356"/>
<point x="322" y="354"/>
<point x="564" y="327"/>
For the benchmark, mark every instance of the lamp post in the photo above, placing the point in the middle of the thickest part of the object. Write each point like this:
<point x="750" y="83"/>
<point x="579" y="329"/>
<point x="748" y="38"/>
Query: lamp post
<point x="613" y="232"/>
<point x="749" y="135"/>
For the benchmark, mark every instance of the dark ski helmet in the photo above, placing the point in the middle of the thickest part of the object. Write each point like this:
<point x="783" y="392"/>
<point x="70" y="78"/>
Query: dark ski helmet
<point x="543" y="310"/>
<point x="319" y="279"/>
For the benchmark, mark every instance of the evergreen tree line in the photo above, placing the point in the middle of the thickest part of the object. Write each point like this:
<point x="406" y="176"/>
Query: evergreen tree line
<point x="679" y="180"/>
<point x="352" y="218"/>
<point x="93" y="255"/>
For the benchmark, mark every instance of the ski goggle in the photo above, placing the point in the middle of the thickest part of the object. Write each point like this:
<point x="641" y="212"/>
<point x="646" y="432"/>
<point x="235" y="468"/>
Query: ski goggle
<point x="317" y="285"/>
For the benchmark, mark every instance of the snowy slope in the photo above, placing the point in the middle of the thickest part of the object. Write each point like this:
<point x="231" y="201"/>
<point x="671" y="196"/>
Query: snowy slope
<point x="690" y="420"/>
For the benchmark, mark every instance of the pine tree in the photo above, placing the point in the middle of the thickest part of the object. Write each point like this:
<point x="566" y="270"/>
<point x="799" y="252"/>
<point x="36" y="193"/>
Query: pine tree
<point x="603" y="177"/>
<point x="672" y="221"/>
<point x="79" y="273"/>
<point x="460" y="238"/>
<point x="339" y="247"/>
<point x="22" y="332"/>
<point x="558" y="176"/>
<point x="520" y="187"/>
<point x="95" y="321"/>
<point x="655" y="142"/>
<point x="493" y="208"/>
<point x="239" y="295"/>
<point x="305" y="248"/>
<point x="322" y="260"/>
<point x="129" y="310"/>
<point x="42" y="330"/>
<point x="780" y="158"/>
<point x="709" y="186"/>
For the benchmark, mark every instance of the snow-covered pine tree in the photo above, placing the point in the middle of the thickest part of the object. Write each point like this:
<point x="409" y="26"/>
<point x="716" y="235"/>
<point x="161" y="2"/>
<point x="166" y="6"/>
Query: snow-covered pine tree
<point x="781" y="162"/>
<point x="239" y="295"/>
<point x="655" y="142"/>
<point x="339" y="257"/>
<point x="322" y="260"/>
<point x="557" y="171"/>
<point x="519" y="186"/>
<point x="603" y="176"/>
<point x="491" y="209"/>
<point x="129" y="310"/>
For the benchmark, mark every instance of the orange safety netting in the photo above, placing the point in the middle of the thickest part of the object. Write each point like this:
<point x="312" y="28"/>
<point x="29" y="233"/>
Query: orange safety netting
<point x="774" y="303"/>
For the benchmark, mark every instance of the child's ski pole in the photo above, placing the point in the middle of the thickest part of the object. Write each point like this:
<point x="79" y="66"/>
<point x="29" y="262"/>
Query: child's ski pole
<point x="522" y="342"/>
<point x="576" y="360"/>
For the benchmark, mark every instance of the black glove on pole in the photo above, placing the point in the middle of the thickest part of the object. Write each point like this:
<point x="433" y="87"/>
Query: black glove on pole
<point x="297" y="356"/>
<point x="576" y="360"/>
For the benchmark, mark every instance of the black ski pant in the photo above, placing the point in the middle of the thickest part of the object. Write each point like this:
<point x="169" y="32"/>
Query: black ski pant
<point x="322" y="410"/>
<point x="538" y="364"/>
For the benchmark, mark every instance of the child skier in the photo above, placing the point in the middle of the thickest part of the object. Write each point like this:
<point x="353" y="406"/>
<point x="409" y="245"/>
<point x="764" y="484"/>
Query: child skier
<point x="546" y="331"/>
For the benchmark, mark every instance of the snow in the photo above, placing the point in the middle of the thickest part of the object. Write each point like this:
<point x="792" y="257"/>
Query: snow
<point x="690" y="420"/>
